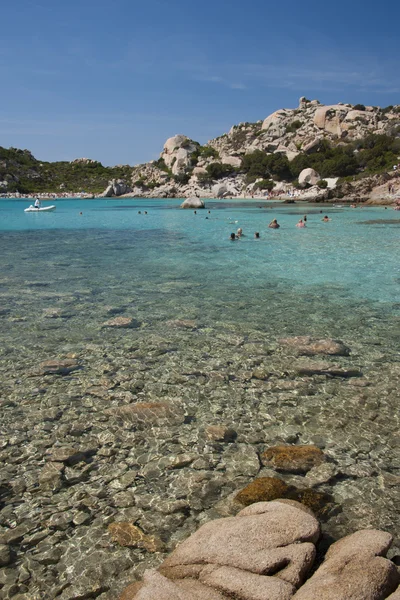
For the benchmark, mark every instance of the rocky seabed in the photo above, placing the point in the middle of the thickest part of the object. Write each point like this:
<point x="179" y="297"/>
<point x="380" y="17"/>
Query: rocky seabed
<point x="130" y="457"/>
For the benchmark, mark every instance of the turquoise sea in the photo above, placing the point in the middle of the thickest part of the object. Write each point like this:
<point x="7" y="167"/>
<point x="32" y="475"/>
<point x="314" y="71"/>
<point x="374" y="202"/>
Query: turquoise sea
<point x="316" y="278"/>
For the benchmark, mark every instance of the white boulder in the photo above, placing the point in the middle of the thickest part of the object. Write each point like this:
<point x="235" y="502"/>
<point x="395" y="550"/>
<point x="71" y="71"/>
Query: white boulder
<point x="116" y="187"/>
<point x="308" y="177"/>
<point x="193" y="203"/>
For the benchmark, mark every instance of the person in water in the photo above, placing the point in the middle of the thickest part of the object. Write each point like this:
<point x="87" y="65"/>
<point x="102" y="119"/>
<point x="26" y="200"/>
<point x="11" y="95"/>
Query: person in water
<point x="239" y="232"/>
<point x="274" y="224"/>
<point x="257" y="235"/>
<point x="37" y="203"/>
<point x="300" y="223"/>
<point x="233" y="237"/>
<point x="325" y="219"/>
<point x="305" y="218"/>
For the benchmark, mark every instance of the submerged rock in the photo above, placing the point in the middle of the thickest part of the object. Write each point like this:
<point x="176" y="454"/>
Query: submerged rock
<point x="308" y="346"/>
<point x="127" y="534"/>
<point x="325" y="368"/>
<point x="58" y="367"/>
<point x="293" y="459"/>
<point x="122" y="323"/>
<point x="149" y="413"/>
<point x="262" y="489"/>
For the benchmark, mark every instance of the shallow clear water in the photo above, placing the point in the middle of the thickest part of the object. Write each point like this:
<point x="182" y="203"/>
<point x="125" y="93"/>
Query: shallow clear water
<point x="350" y="263"/>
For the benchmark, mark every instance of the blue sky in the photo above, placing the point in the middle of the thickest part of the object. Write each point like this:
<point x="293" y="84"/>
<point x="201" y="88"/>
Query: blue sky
<point x="112" y="80"/>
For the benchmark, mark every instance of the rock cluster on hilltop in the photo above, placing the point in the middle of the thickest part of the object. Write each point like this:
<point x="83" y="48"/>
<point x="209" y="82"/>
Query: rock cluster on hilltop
<point x="266" y="552"/>
<point x="218" y="169"/>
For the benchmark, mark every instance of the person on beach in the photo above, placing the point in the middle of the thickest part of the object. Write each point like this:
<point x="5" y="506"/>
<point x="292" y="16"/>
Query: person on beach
<point x="300" y="223"/>
<point x="325" y="219"/>
<point x="37" y="203"/>
<point x="274" y="224"/>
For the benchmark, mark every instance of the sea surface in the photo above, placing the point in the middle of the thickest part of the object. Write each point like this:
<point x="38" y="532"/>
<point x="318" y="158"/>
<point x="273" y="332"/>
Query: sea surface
<point x="209" y="317"/>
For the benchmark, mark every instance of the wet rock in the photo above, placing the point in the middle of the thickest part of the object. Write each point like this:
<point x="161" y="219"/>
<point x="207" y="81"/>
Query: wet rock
<point x="122" y="323"/>
<point x="15" y="535"/>
<point x="306" y="345"/>
<point x="293" y="459"/>
<point x="354" y="569"/>
<point x="325" y="368"/>
<point x="323" y="473"/>
<point x="127" y="534"/>
<point x="50" y="477"/>
<point x="182" y="324"/>
<point x="220" y="433"/>
<point x="58" y="366"/>
<point x="70" y="455"/>
<point x="5" y="555"/>
<point x="149" y="413"/>
<point x="262" y="489"/>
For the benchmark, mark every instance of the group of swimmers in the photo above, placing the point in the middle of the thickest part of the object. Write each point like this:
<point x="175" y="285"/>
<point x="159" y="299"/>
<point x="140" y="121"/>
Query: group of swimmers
<point x="275" y="225"/>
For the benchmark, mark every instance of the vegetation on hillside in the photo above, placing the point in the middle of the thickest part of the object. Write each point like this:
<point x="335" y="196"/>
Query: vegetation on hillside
<point x="373" y="154"/>
<point x="25" y="174"/>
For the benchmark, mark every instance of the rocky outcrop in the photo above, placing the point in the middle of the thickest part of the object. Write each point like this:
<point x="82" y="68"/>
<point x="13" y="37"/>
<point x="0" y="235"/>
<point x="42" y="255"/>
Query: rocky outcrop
<point x="354" y="569"/>
<point x="116" y="187"/>
<point x="308" y="177"/>
<point x="177" y="153"/>
<point x="266" y="552"/>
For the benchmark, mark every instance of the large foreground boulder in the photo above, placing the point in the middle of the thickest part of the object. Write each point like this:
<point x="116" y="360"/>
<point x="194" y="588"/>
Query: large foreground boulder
<point x="193" y="203"/>
<point x="265" y="553"/>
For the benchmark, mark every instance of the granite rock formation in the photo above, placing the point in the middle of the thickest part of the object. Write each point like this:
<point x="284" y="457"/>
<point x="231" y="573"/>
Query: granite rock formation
<point x="267" y="552"/>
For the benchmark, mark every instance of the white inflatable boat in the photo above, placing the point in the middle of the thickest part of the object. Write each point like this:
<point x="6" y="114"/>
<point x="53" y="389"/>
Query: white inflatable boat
<point x="42" y="209"/>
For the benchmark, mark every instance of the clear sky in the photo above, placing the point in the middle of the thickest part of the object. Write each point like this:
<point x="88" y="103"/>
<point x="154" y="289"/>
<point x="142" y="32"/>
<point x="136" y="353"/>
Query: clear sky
<point x="113" y="79"/>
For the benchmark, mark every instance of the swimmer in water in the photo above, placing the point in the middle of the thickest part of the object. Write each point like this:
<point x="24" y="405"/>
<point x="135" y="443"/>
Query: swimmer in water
<point x="239" y="232"/>
<point x="233" y="237"/>
<point x="300" y="223"/>
<point x="257" y="235"/>
<point x="325" y="219"/>
<point x="274" y="224"/>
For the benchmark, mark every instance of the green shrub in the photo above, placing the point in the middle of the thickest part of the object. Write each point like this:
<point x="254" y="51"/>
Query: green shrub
<point x="218" y="170"/>
<point x="259" y="164"/>
<point x="293" y="126"/>
<point x="182" y="178"/>
<point x="322" y="184"/>
<point x="359" y="107"/>
<point x="264" y="184"/>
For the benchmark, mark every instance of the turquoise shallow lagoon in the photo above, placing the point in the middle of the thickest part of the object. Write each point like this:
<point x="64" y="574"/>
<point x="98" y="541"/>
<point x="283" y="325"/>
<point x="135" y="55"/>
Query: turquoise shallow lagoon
<point x="208" y="314"/>
<point x="317" y="278"/>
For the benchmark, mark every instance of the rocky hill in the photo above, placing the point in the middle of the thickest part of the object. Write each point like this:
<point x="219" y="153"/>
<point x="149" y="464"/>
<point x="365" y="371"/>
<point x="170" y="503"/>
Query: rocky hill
<point x="318" y="151"/>
<point x="21" y="172"/>
<point x="325" y="151"/>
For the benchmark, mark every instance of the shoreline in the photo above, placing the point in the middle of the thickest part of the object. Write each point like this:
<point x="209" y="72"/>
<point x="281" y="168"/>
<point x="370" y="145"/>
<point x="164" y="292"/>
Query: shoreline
<point x="283" y="200"/>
